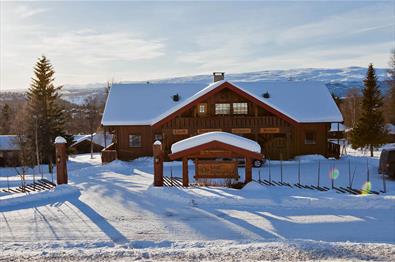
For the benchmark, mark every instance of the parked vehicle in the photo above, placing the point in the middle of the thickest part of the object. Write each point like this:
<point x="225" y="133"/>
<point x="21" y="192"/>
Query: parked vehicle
<point x="241" y="161"/>
<point x="387" y="162"/>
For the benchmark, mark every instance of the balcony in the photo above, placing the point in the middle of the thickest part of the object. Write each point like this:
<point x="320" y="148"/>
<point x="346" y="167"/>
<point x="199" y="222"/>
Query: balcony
<point x="226" y="122"/>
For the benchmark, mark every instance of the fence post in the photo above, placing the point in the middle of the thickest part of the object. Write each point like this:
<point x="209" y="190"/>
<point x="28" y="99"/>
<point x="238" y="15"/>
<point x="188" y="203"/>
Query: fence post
<point x="8" y="182"/>
<point x="158" y="163"/>
<point x="61" y="158"/>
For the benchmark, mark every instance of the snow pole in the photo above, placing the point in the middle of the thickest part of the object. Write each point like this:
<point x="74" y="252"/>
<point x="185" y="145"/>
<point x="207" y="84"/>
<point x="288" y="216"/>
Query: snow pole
<point x="349" y="174"/>
<point x="259" y="175"/>
<point x="353" y="176"/>
<point x="367" y="170"/>
<point x="299" y="172"/>
<point x="34" y="179"/>
<point x="318" y="173"/>
<point x="384" y="184"/>
<point x="171" y="175"/>
<point x="8" y="182"/>
<point x="332" y="179"/>
<point x="281" y="168"/>
<point x="270" y="173"/>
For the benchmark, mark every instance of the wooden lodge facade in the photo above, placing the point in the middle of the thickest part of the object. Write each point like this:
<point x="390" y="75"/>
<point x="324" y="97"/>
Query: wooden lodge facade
<point x="225" y="107"/>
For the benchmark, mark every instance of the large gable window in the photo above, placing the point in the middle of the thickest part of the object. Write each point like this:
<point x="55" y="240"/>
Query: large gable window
<point x="222" y="109"/>
<point x="134" y="140"/>
<point x="240" y="108"/>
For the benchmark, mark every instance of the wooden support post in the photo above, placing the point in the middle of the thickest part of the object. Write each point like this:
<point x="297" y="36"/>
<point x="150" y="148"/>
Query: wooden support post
<point x="185" y="178"/>
<point x="158" y="163"/>
<point x="61" y="158"/>
<point x="248" y="170"/>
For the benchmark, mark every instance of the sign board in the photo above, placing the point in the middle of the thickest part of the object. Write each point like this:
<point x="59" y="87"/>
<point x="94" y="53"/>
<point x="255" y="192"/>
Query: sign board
<point x="216" y="169"/>
<point x="241" y="130"/>
<point x="269" y="130"/>
<point x="201" y="131"/>
<point x="180" y="131"/>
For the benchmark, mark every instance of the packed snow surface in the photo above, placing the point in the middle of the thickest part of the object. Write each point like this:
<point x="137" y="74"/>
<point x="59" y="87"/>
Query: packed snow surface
<point x="112" y="212"/>
<point x="146" y="104"/>
<point x="223" y="137"/>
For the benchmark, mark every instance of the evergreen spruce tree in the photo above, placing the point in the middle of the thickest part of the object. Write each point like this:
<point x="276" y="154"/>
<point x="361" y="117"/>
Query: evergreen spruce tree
<point x="369" y="130"/>
<point x="5" y="120"/>
<point x="45" y="114"/>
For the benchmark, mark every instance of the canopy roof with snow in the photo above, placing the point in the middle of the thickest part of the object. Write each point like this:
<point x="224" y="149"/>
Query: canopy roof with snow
<point x="98" y="138"/>
<point x="226" y="138"/>
<point x="147" y="104"/>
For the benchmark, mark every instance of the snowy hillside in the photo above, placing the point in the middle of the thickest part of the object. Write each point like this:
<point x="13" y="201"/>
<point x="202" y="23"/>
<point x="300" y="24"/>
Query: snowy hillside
<point x="337" y="80"/>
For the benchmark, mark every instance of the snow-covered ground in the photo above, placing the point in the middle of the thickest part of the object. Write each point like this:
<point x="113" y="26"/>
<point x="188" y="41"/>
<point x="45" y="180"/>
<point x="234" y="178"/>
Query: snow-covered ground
<point x="112" y="212"/>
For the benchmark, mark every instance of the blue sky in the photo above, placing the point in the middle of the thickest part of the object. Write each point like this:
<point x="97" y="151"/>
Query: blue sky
<point x="90" y="42"/>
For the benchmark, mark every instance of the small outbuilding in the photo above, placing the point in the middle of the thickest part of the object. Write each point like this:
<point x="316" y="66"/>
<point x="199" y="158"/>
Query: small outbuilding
<point x="8" y="150"/>
<point x="82" y="143"/>
<point x="215" y="155"/>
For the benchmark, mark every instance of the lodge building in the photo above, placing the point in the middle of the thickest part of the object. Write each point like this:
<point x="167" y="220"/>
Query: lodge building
<point x="286" y="118"/>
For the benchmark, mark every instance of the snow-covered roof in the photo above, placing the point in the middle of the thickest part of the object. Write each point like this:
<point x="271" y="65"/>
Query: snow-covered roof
<point x="335" y="127"/>
<point x="146" y="104"/>
<point x="8" y="143"/>
<point x="98" y="138"/>
<point x="226" y="138"/>
<point x="390" y="128"/>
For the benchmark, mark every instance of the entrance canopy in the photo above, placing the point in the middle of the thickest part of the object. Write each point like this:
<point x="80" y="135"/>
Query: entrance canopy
<point x="216" y="144"/>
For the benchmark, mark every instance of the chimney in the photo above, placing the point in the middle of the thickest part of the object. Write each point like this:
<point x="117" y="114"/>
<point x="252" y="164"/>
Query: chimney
<point x="218" y="76"/>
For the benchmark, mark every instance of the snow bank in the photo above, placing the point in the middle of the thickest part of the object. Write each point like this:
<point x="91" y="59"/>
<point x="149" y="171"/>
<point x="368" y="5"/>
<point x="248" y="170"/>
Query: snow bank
<point x="60" y="193"/>
<point x="219" y="250"/>
<point x="223" y="137"/>
<point x="308" y="158"/>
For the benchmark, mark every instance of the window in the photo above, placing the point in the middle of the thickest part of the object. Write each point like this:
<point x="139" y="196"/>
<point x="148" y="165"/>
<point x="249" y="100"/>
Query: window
<point x="202" y="109"/>
<point x="222" y="109"/>
<point x="134" y="140"/>
<point x="240" y="108"/>
<point x="309" y="138"/>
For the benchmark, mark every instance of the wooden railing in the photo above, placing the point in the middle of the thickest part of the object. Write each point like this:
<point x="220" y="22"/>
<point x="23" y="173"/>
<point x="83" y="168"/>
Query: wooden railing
<point x="333" y="150"/>
<point x="108" y="154"/>
<point x="226" y="122"/>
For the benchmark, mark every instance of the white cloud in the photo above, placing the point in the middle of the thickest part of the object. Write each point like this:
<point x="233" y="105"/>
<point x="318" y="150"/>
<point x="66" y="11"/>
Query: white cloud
<point x="89" y="47"/>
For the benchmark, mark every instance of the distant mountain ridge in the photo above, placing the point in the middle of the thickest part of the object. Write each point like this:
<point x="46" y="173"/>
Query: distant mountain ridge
<point x="338" y="80"/>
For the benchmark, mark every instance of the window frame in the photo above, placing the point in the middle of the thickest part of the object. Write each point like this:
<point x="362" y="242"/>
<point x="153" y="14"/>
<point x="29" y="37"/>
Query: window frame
<point x="205" y="109"/>
<point x="223" y="104"/>
<point x="312" y="141"/>
<point x="129" y="137"/>
<point x="240" y="103"/>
